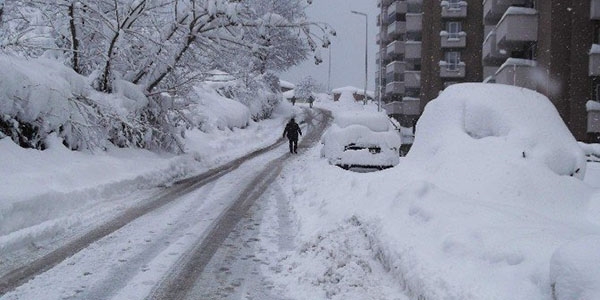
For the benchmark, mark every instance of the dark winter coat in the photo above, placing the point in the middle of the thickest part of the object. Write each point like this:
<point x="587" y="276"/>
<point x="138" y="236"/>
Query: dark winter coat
<point x="292" y="130"/>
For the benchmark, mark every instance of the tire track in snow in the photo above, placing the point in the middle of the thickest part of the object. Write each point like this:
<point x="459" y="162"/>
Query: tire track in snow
<point x="181" y="280"/>
<point x="19" y="276"/>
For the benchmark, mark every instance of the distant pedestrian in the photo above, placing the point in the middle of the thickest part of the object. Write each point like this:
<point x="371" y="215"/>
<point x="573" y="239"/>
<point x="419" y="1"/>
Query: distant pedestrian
<point x="293" y="100"/>
<point x="311" y="99"/>
<point x="291" y="131"/>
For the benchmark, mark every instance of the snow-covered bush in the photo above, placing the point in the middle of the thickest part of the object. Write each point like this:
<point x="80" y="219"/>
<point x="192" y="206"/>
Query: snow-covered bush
<point x="39" y="97"/>
<point x="500" y="123"/>
<point x="141" y="53"/>
<point x="212" y="111"/>
<point x="260" y="93"/>
<point x="305" y="88"/>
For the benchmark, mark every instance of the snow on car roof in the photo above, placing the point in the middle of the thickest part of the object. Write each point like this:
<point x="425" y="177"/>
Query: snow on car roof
<point x="375" y="121"/>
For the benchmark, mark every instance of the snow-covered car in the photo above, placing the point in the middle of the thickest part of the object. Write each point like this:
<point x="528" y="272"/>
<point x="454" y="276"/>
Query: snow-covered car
<point x="361" y="139"/>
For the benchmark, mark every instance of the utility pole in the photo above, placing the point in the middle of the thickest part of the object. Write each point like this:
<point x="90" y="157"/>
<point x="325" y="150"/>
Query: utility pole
<point x="329" y="73"/>
<point x="381" y="57"/>
<point x="366" y="51"/>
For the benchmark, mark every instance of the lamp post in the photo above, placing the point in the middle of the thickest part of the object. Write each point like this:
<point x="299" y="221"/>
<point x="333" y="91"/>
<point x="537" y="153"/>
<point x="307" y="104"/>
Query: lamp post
<point x="366" y="50"/>
<point x="329" y="73"/>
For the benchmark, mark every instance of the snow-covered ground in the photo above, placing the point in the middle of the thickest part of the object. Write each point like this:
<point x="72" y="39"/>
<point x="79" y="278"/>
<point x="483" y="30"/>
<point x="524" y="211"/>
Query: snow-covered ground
<point x="44" y="193"/>
<point x="483" y="207"/>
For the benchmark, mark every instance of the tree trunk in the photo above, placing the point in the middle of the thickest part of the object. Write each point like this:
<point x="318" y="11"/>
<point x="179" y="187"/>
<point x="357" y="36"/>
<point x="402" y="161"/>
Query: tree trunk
<point x="74" y="39"/>
<point x="104" y="83"/>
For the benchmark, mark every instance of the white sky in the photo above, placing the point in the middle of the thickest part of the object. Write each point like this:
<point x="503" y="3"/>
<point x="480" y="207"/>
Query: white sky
<point x="348" y="47"/>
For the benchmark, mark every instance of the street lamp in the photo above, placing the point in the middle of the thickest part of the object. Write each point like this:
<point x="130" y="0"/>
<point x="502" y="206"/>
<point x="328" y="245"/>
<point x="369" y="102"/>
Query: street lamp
<point x="329" y="73"/>
<point x="366" y="50"/>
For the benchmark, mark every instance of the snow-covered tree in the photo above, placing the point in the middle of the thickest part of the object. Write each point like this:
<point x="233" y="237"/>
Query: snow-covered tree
<point x="306" y="87"/>
<point x="165" y="47"/>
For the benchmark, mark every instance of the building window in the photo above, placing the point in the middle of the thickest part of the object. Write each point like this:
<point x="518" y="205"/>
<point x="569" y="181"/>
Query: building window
<point x="453" y="29"/>
<point x="412" y="92"/>
<point x="413" y="36"/>
<point x="596" y="35"/>
<point x="528" y="4"/>
<point x="531" y="52"/>
<point x="414" y="7"/>
<point x="452" y="60"/>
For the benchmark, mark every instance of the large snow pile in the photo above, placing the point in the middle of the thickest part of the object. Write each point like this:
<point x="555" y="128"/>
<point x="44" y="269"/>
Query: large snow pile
<point x="476" y="120"/>
<point x="363" y="129"/>
<point x="375" y="121"/>
<point x="483" y="207"/>
<point x="215" y="111"/>
<point x="574" y="269"/>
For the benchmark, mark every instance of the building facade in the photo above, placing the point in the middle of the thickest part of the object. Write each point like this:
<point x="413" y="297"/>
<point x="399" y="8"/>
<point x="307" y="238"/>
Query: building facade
<point x="426" y="45"/>
<point x="399" y="58"/>
<point x="547" y="46"/>
<point x="551" y="46"/>
<point x="452" y="38"/>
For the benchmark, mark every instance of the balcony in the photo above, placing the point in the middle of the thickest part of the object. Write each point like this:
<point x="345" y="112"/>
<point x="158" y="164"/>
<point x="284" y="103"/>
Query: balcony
<point x="398" y="7"/>
<point x="395" y="48"/>
<point x="412" y="79"/>
<point x="517" y="27"/>
<point x="594" y="62"/>
<point x="491" y="54"/>
<point x="408" y="106"/>
<point x="411" y="106"/>
<point x="593" y="116"/>
<point x="517" y="72"/>
<point x="453" y="40"/>
<point x="396" y="29"/>
<point x="457" y="10"/>
<point x="396" y="67"/>
<point x="412" y="50"/>
<point x="595" y="10"/>
<point x="452" y="70"/>
<point x="385" y="3"/>
<point x="414" y="22"/>
<point x="382" y="37"/>
<point x="493" y="10"/>
<point x="380" y="57"/>
<point x="394" y="87"/>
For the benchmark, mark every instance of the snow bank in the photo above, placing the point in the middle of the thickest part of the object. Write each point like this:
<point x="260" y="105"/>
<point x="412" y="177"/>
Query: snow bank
<point x="214" y="111"/>
<point x="575" y="269"/>
<point x="590" y="150"/>
<point x="477" y="210"/>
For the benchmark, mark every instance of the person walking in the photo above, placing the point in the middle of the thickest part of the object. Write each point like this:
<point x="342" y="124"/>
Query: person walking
<point x="311" y="99"/>
<point x="291" y="131"/>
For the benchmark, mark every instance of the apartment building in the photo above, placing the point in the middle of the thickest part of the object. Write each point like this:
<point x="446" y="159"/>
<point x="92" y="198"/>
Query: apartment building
<point x="452" y="38"/>
<point x="426" y="45"/>
<point x="551" y="46"/>
<point x="399" y="58"/>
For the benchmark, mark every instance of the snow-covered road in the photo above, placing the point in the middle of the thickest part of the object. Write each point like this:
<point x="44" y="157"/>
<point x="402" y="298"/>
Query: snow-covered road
<point x="156" y="247"/>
